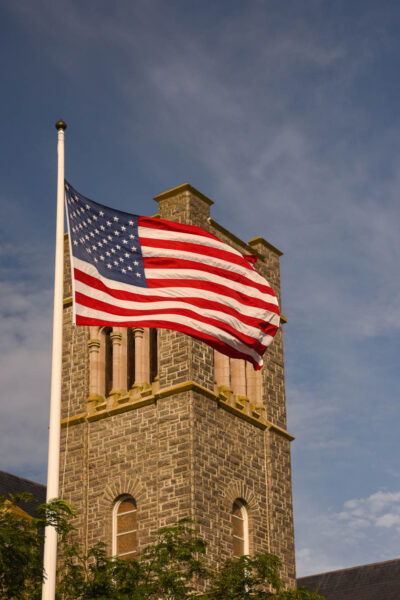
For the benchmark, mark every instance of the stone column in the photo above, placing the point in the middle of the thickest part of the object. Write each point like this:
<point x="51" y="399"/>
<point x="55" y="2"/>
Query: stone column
<point x="221" y="369"/>
<point x="95" y="388"/>
<point x="259" y="387"/>
<point x="238" y="376"/>
<point x="116" y="340"/>
<point x="146" y="356"/>
<point x="123" y="366"/>
<point x="251" y="383"/>
<point x="139" y="356"/>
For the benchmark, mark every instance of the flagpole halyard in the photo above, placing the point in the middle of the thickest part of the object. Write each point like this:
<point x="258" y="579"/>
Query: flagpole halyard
<point x="50" y="545"/>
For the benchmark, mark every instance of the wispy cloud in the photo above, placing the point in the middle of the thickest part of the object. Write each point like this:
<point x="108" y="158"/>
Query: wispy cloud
<point x="364" y="530"/>
<point x="381" y="509"/>
<point x="25" y="323"/>
<point x="25" y="343"/>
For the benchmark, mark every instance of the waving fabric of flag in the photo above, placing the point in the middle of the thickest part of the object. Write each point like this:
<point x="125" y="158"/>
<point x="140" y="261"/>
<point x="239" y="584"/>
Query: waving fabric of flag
<point x="130" y="271"/>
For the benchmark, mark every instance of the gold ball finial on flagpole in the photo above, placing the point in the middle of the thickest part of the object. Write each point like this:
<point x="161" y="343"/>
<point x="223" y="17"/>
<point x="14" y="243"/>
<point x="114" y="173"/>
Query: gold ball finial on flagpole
<point x="61" y="125"/>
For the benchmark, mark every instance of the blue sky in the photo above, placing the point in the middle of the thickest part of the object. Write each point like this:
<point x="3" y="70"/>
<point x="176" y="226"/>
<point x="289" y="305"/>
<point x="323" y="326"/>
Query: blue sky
<point x="286" y="115"/>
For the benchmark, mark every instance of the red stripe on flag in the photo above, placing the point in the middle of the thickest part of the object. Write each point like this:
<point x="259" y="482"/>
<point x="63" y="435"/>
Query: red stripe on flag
<point x="213" y="287"/>
<point x="201" y="303"/>
<point x="111" y="309"/>
<point x="178" y="264"/>
<point x="206" y="251"/>
<point x="132" y="297"/>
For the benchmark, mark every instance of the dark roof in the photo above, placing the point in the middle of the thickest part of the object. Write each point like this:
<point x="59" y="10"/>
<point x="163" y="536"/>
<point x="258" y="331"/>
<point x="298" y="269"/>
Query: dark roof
<point x="13" y="484"/>
<point x="377" y="581"/>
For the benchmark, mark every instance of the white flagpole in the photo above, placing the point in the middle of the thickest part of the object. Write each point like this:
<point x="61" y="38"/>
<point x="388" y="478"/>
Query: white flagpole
<point x="53" y="468"/>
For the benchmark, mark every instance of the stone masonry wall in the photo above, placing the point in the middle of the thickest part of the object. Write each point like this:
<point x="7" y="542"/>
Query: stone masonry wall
<point x="144" y="453"/>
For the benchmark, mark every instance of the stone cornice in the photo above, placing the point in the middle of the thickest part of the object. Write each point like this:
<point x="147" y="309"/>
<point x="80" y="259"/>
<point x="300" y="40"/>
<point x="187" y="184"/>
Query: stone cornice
<point x="187" y="386"/>
<point x="185" y="187"/>
<point x="240" y="406"/>
<point x="75" y="420"/>
<point x="260" y="240"/>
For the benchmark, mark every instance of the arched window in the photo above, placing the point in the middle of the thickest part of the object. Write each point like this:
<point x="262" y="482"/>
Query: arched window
<point x="124" y="542"/>
<point x="240" y="528"/>
<point x="108" y="360"/>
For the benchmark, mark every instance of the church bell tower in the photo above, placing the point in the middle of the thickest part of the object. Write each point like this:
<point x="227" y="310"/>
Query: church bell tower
<point x="157" y="426"/>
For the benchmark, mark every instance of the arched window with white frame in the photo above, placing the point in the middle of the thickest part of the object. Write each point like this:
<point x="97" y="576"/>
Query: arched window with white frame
<point x="124" y="527"/>
<point x="240" y="528"/>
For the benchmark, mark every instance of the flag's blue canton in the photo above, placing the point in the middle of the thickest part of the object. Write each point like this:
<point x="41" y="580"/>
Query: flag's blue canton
<point x="106" y="238"/>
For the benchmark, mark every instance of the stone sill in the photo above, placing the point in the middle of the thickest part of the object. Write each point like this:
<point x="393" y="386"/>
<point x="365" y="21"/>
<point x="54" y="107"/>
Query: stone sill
<point x="117" y="403"/>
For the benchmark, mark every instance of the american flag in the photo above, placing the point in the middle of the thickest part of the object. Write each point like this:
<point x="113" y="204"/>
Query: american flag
<point x="130" y="271"/>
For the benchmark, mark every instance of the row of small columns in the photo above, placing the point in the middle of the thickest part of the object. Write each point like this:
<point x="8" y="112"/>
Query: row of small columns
<point x="97" y="355"/>
<point x="231" y="373"/>
<point x="237" y="375"/>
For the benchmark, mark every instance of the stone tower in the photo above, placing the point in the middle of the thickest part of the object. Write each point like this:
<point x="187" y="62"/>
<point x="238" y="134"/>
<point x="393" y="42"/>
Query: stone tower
<point x="157" y="426"/>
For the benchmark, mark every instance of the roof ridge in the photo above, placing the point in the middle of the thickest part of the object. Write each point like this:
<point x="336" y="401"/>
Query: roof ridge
<point x="24" y="478"/>
<point x="392" y="560"/>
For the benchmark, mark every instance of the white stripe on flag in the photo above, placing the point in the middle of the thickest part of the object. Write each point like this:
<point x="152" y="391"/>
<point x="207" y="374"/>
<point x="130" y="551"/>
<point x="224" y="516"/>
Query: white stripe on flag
<point x="178" y="292"/>
<point x="192" y="274"/>
<point x="191" y="238"/>
<point x="223" y="317"/>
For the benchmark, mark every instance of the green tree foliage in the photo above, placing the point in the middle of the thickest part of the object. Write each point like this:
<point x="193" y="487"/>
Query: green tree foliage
<point x="168" y="569"/>
<point x="254" y="578"/>
<point x="21" y="539"/>
<point x="174" y="567"/>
